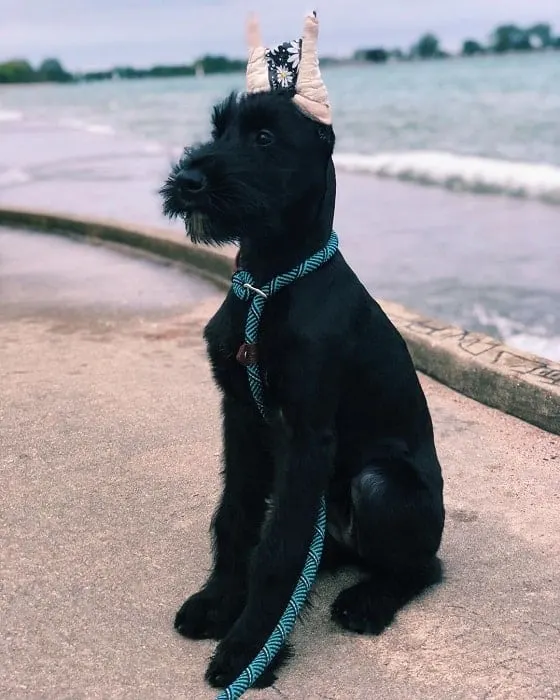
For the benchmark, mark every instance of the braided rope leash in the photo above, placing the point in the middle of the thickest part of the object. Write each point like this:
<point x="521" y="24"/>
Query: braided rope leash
<point x="243" y="286"/>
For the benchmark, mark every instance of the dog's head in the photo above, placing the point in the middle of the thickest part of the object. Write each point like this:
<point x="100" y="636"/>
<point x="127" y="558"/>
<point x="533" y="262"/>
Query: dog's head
<point x="265" y="166"/>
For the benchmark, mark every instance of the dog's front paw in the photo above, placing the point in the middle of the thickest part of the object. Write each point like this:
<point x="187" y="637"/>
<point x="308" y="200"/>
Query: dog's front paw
<point x="363" y="609"/>
<point x="209" y="614"/>
<point x="231" y="658"/>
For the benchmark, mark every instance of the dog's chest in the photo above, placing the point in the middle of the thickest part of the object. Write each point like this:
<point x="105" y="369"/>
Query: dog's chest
<point x="224" y="335"/>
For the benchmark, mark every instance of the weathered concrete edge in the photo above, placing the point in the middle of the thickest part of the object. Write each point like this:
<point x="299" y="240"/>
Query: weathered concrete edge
<point x="483" y="368"/>
<point x="476" y="365"/>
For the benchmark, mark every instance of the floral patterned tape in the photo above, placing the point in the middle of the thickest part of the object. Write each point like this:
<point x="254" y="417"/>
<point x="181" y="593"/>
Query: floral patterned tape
<point x="283" y="65"/>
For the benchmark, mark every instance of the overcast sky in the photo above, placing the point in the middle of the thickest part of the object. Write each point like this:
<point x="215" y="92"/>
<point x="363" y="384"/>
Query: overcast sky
<point x="88" y="34"/>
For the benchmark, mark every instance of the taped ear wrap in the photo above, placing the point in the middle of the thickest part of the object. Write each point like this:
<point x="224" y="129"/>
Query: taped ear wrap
<point x="311" y="93"/>
<point x="292" y="65"/>
<point x="257" y="68"/>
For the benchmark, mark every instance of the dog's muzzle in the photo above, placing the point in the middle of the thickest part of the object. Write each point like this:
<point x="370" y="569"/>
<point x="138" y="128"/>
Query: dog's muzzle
<point x="190" y="182"/>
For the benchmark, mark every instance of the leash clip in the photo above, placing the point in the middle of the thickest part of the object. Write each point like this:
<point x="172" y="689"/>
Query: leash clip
<point x="255" y="290"/>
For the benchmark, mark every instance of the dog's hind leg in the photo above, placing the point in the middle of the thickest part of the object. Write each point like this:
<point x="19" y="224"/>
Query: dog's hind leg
<point x="398" y="522"/>
<point x="248" y="473"/>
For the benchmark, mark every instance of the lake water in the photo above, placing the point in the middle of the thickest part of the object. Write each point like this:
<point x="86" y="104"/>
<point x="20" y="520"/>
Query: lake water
<point x="481" y="247"/>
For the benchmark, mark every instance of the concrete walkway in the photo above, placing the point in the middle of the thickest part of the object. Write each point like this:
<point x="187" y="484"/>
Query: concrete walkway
<point x="110" y="457"/>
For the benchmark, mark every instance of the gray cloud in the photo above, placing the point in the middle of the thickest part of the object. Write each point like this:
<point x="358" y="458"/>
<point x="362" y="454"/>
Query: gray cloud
<point x="86" y="34"/>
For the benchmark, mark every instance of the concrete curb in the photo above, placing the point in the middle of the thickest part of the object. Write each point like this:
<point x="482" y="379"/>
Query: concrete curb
<point x="478" y="366"/>
<point x="212" y="265"/>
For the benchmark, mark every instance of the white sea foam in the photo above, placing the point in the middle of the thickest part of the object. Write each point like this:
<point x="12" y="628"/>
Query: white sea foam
<point x="80" y="125"/>
<point x="536" y="344"/>
<point x="103" y="129"/>
<point x="13" y="176"/>
<point x="457" y="172"/>
<point x="152" y="147"/>
<point x="8" y="115"/>
<point x="534" y="338"/>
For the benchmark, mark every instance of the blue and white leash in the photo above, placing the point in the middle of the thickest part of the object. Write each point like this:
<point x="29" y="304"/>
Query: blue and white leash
<point x="243" y="286"/>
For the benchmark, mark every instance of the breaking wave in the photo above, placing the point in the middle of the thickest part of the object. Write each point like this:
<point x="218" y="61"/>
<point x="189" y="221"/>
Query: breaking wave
<point x="80" y="125"/>
<point x="460" y="173"/>
<point x="13" y="176"/>
<point x="8" y="115"/>
<point x="537" y="338"/>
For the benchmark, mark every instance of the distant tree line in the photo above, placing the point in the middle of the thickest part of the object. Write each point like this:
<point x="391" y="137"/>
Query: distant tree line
<point x="506" y="38"/>
<point x="21" y="71"/>
<point x="206" y="66"/>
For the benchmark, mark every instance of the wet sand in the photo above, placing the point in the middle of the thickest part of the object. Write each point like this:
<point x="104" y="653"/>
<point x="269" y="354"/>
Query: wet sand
<point x="49" y="275"/>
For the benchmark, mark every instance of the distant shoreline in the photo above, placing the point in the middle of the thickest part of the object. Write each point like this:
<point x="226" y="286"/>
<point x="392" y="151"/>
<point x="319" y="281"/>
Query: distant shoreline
<point x="328" y="64"/>
<point x="504" y="39"/>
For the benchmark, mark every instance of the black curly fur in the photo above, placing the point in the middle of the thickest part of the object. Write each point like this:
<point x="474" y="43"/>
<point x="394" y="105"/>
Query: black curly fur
<point x="349" y="417"/>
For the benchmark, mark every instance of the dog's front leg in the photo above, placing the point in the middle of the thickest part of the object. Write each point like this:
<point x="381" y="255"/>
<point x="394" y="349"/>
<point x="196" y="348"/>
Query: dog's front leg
<point x="302" y="479"/>
<point x="248" y="473"/>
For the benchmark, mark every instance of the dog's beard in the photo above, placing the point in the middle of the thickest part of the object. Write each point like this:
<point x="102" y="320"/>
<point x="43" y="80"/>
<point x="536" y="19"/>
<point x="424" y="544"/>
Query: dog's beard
<point x="198" y="227"/>
<point x="197" y="223"/>
<point x="202" y="227"/>
<point x="228" y="208"/>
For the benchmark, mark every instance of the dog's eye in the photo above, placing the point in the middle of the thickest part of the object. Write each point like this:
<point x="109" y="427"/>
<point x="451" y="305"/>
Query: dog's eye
<point x="264" y="137"/>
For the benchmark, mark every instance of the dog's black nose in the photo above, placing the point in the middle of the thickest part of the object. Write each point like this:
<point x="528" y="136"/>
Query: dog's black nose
<point x="191" y="179"/>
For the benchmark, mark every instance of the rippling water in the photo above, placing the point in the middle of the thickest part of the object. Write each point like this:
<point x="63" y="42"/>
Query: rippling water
<point x="422" y="118"/>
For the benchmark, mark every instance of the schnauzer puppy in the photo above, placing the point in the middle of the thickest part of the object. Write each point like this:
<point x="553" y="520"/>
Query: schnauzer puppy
<point x="348" y="417"/>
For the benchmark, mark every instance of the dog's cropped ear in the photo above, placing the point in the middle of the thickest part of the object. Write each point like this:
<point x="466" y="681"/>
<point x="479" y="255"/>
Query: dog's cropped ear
<point x="311" y="92"/>
<point x="222" y="114"/>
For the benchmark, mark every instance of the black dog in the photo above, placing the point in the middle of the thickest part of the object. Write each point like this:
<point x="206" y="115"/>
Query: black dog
<point x="349" y="417"/>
